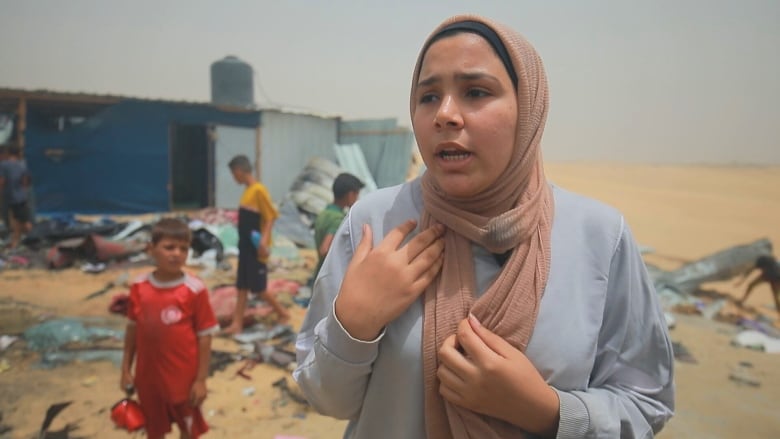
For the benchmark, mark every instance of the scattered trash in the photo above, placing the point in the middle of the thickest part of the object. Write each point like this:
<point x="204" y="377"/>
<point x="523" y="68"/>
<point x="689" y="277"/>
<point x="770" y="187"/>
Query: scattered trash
<point x="287" y="392"/>
<point x="248" y="365"/>
<point x="17" y="261"/>
<point x="6" y="341"/>
<point x="260" y="333"/>
<point x="247" y="347"/>
<point x="711" y="310"/>
<point x="121" y="280"/>
<point x="275" y="355"/>
<point x="722" y="265"/>
<point x="204" y="240"/>
<point x="207" y="259"/>
<point x="52" y="413"/>
<point x="92" y="248"/>
<point x="248" y="391"/>
<point x="140" y="257"/>
<point x="223" y="302"/>
<point x="742" y="375"/>
<point x="58" y="358"/>
<point x="682" y="354"/>
<point x="212" y="215"/>
<point x="58" y="332"/>
<point x="761" y="324"/>
<point x="671" y="299"/>
<point x="220" y="360"/>
<point x="89" y="381"/>
<point x="757" y="340"/>
<point x="94" y="268"/>
<point x="130" y="229"/>
<point x="228" y="236"/>
<point x="284" y="253"/>
<point x="671" y="322"/>
<point x="4" y="365"/>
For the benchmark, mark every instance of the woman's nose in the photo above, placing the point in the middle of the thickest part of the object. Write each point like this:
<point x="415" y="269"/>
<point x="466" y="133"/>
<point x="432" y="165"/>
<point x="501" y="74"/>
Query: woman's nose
<point x="448" y="114"/>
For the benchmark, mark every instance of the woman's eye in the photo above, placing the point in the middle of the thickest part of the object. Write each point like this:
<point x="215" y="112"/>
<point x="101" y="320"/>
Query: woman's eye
<point x="427" y="97"/>
<point x="476" y="93"/>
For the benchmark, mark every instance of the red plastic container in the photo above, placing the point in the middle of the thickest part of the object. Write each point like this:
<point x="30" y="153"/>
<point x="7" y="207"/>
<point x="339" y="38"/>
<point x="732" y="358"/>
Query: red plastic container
<point x="127" y="414"/>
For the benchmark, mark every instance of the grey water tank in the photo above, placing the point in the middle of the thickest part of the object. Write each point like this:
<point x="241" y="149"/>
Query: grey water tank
<point x="232" y="82"/>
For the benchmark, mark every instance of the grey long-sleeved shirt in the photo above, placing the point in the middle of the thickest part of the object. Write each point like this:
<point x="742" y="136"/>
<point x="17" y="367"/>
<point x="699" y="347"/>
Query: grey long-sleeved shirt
<point x="600" y="338"/>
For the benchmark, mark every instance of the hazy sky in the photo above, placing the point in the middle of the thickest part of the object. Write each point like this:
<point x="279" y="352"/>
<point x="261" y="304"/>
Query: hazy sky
<point x="654" y="81"/>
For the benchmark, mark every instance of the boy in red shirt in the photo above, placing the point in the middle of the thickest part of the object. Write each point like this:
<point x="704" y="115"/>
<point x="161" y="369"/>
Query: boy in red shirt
<point x="170" y="329"/>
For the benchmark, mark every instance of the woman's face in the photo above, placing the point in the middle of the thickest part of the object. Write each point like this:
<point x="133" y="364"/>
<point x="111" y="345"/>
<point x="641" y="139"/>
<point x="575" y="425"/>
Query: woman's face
<point x="465" y="115"/>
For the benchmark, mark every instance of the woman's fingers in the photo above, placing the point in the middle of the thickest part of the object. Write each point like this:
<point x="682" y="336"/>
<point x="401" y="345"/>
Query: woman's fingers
<point x="364" y="247"/>
<point x="395" y="237"/>
<point x="423" y="241"/>
<point x="426" y="275"/>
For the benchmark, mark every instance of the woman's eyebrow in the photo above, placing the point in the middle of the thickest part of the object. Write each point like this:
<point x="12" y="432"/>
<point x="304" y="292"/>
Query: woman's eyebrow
<point x="429" y="81"/>
<point x="461" y="77"/>
<point x="474" y="76"/>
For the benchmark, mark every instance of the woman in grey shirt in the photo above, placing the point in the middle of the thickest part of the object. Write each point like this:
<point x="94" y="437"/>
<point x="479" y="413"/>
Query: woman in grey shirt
<point x="479" y="300"/>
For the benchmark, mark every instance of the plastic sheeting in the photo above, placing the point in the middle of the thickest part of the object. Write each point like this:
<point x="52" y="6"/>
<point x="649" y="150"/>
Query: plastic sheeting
<point x="352" y="160"/>
<point x="722" y="265"/>
<point x="53" y="334"/>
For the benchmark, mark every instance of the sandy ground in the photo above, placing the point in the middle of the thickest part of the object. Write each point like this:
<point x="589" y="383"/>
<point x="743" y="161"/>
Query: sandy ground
<point x="682" y="212"/>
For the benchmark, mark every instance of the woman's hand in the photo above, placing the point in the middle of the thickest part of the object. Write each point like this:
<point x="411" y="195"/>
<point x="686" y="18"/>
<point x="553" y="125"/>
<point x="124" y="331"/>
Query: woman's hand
<point x="482" y="372"/>
<point x="381" y="283"/>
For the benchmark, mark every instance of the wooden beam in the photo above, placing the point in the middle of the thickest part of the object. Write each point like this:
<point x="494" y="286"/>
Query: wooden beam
<point x="48" y="96"/>
<point x="258" y="154"/>
<point x="21" y="122"/>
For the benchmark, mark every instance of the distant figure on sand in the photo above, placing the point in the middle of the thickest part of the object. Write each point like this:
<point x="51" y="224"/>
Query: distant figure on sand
<point x="15" y="183"/>
<point x="256" y="213"/>
<point x="769" y="272"/>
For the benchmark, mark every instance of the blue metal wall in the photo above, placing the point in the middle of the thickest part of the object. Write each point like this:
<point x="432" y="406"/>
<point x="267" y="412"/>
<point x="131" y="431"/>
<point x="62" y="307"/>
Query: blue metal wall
<point x="116" y="161"/>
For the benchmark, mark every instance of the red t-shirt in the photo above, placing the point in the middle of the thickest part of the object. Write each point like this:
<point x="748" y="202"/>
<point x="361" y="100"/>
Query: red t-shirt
<point x="169" y="318"/>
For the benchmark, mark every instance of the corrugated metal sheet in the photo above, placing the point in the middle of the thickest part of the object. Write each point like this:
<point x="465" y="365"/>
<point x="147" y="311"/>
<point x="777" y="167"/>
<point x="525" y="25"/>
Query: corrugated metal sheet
<point x="49" y="96"/>
<point x="287" y="142"/>
<point x="352" y="160"/>
<point x="386" y="146"/>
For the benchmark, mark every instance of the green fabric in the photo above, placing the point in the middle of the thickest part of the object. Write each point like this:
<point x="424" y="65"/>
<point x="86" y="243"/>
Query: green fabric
<point x="327" y="223"/>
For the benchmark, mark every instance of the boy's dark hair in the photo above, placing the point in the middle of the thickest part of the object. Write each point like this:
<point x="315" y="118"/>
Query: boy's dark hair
<point x="344" y="184"/>
<point x="240" y="163"/>
<point x="171" y="228"/>
<point x="14" y="150"/>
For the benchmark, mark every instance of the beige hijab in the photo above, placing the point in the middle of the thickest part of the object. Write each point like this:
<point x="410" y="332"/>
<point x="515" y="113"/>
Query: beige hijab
<point x="515" y="214"/>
